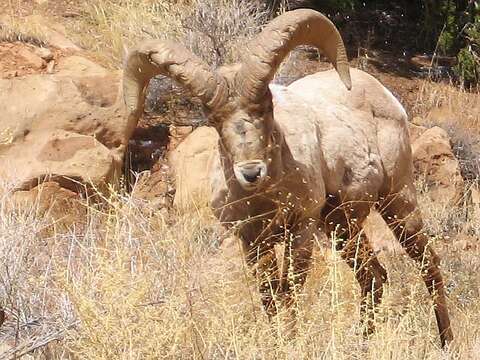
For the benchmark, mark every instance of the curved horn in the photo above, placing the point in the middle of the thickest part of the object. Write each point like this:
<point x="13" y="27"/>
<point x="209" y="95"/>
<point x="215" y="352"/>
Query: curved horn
<point x="154" y="57"/>
<point x="267" y="51"/>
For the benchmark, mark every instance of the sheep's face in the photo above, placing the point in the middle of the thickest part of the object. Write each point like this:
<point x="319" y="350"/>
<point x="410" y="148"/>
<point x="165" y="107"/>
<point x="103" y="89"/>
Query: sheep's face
<point x="246" y="136"/>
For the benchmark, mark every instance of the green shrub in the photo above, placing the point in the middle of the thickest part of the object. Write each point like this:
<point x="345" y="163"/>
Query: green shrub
<point x="468" y="58"/>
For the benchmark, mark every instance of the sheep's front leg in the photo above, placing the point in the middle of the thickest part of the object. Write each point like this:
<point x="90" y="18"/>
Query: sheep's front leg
<point x="263" y="260"/>
<point x="369" y="273"/>
<point x="297" y="256"/>
<point x="280" y="288"/>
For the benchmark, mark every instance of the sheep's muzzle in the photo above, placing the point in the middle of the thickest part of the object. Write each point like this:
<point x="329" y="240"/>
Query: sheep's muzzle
<point x="250" y="174"/>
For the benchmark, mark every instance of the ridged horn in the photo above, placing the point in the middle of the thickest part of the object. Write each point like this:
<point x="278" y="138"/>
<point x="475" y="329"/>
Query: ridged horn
<point x="267" y="51"/>
<point x="156" y="57"/>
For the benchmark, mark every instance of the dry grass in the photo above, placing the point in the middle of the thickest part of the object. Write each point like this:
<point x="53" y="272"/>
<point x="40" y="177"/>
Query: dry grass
<point x="212" y="29"/>
<point x="14" y="29"/>
<point x="132" y="284"/>
<point x="454" y="103"/>
<point x="458" y="112"/>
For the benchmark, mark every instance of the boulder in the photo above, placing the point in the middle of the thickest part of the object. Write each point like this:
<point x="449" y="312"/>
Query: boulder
<point x="53" y="201"/>
<point x="32" y="59"/>
<point x="415" y="129"/>
<point x="67" y="128"/>
<point x="155" y="187"/>
<point x="434" y="161"/>
<point x="178" y="134"/>
<point x="73" y="160"/>
<point x="197" y="169"/>
<point x="70" y="125"/>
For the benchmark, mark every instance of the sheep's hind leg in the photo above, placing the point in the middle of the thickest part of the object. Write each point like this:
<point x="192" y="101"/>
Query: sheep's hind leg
<point x="403" y="217"/>
<point x="360" y="257"/>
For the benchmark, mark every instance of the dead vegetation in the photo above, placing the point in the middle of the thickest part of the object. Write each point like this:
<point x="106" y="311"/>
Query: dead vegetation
<point x="128" y="285"/>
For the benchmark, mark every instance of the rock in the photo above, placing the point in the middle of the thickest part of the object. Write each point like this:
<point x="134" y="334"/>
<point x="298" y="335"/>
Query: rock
<point x="45" y="53"/>
<point x="50" y="67"/>
<point x="197" y="169"/>
<point x="155" y="188"/>
<point x="78" y="66"/>
<point x="415" y="130"/>
<point x="69" y="127"/>
<point x="434" y="160"/>
<point x="75" y="161"/>
<point x="51" y="200"/>
<point x="417" y="120"/>
<point x="178" y="134"/>
<point x="31" y="58"/>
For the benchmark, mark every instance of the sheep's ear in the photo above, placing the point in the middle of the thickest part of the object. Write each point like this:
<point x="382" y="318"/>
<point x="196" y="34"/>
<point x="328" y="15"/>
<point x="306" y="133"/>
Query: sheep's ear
<point x="268" y="49"/>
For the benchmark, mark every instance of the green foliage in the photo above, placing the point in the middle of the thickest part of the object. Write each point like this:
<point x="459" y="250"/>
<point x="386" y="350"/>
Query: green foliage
<point x="467" y="68"/>
<point x="446" y="41"/>
<point x="468" y="58"/>
<point x="450" y="28"/>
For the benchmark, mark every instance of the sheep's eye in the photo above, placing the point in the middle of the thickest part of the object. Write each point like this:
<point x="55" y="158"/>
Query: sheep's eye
<point x="240" y="127"/>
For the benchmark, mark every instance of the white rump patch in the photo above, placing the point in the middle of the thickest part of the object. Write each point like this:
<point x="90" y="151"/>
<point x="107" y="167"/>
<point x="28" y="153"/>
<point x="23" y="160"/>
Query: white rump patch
<point x="395" y="100"/>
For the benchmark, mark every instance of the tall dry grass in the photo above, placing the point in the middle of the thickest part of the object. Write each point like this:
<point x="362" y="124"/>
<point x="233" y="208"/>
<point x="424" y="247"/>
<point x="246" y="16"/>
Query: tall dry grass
<point x="212" y="29"/>
<point x="458" y="112"/>
<point x="14" y="29"/>
<point x="129" y="283"/>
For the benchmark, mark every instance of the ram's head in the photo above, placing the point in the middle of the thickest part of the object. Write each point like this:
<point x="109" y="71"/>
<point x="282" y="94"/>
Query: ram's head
<point x="236" y="97"/>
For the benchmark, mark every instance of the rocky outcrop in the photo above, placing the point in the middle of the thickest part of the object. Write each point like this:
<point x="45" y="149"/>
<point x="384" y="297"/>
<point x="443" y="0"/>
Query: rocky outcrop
<point x="65" y="125"/>
<point x="51" y="200"/>
<point x="435" y="162"/>
<point x="69" y="126"/>
<point x="196" y="167"/>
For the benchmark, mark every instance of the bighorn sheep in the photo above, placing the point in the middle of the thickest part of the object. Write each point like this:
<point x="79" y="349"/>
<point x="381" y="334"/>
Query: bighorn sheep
<point x="316" y="155"/>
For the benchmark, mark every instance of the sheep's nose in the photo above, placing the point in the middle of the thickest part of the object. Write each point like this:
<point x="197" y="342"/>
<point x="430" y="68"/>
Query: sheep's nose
<point x="252" y="174"/>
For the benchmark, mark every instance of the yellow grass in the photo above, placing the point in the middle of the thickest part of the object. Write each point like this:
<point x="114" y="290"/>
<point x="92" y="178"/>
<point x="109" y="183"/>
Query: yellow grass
<point x="447" y="103"/>
<point x="13" y="29"/>
<point x="132" y="284"/>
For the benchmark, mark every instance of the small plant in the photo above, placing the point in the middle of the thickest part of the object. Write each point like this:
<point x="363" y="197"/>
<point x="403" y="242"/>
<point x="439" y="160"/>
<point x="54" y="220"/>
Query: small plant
<point x="468" y="58"/>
